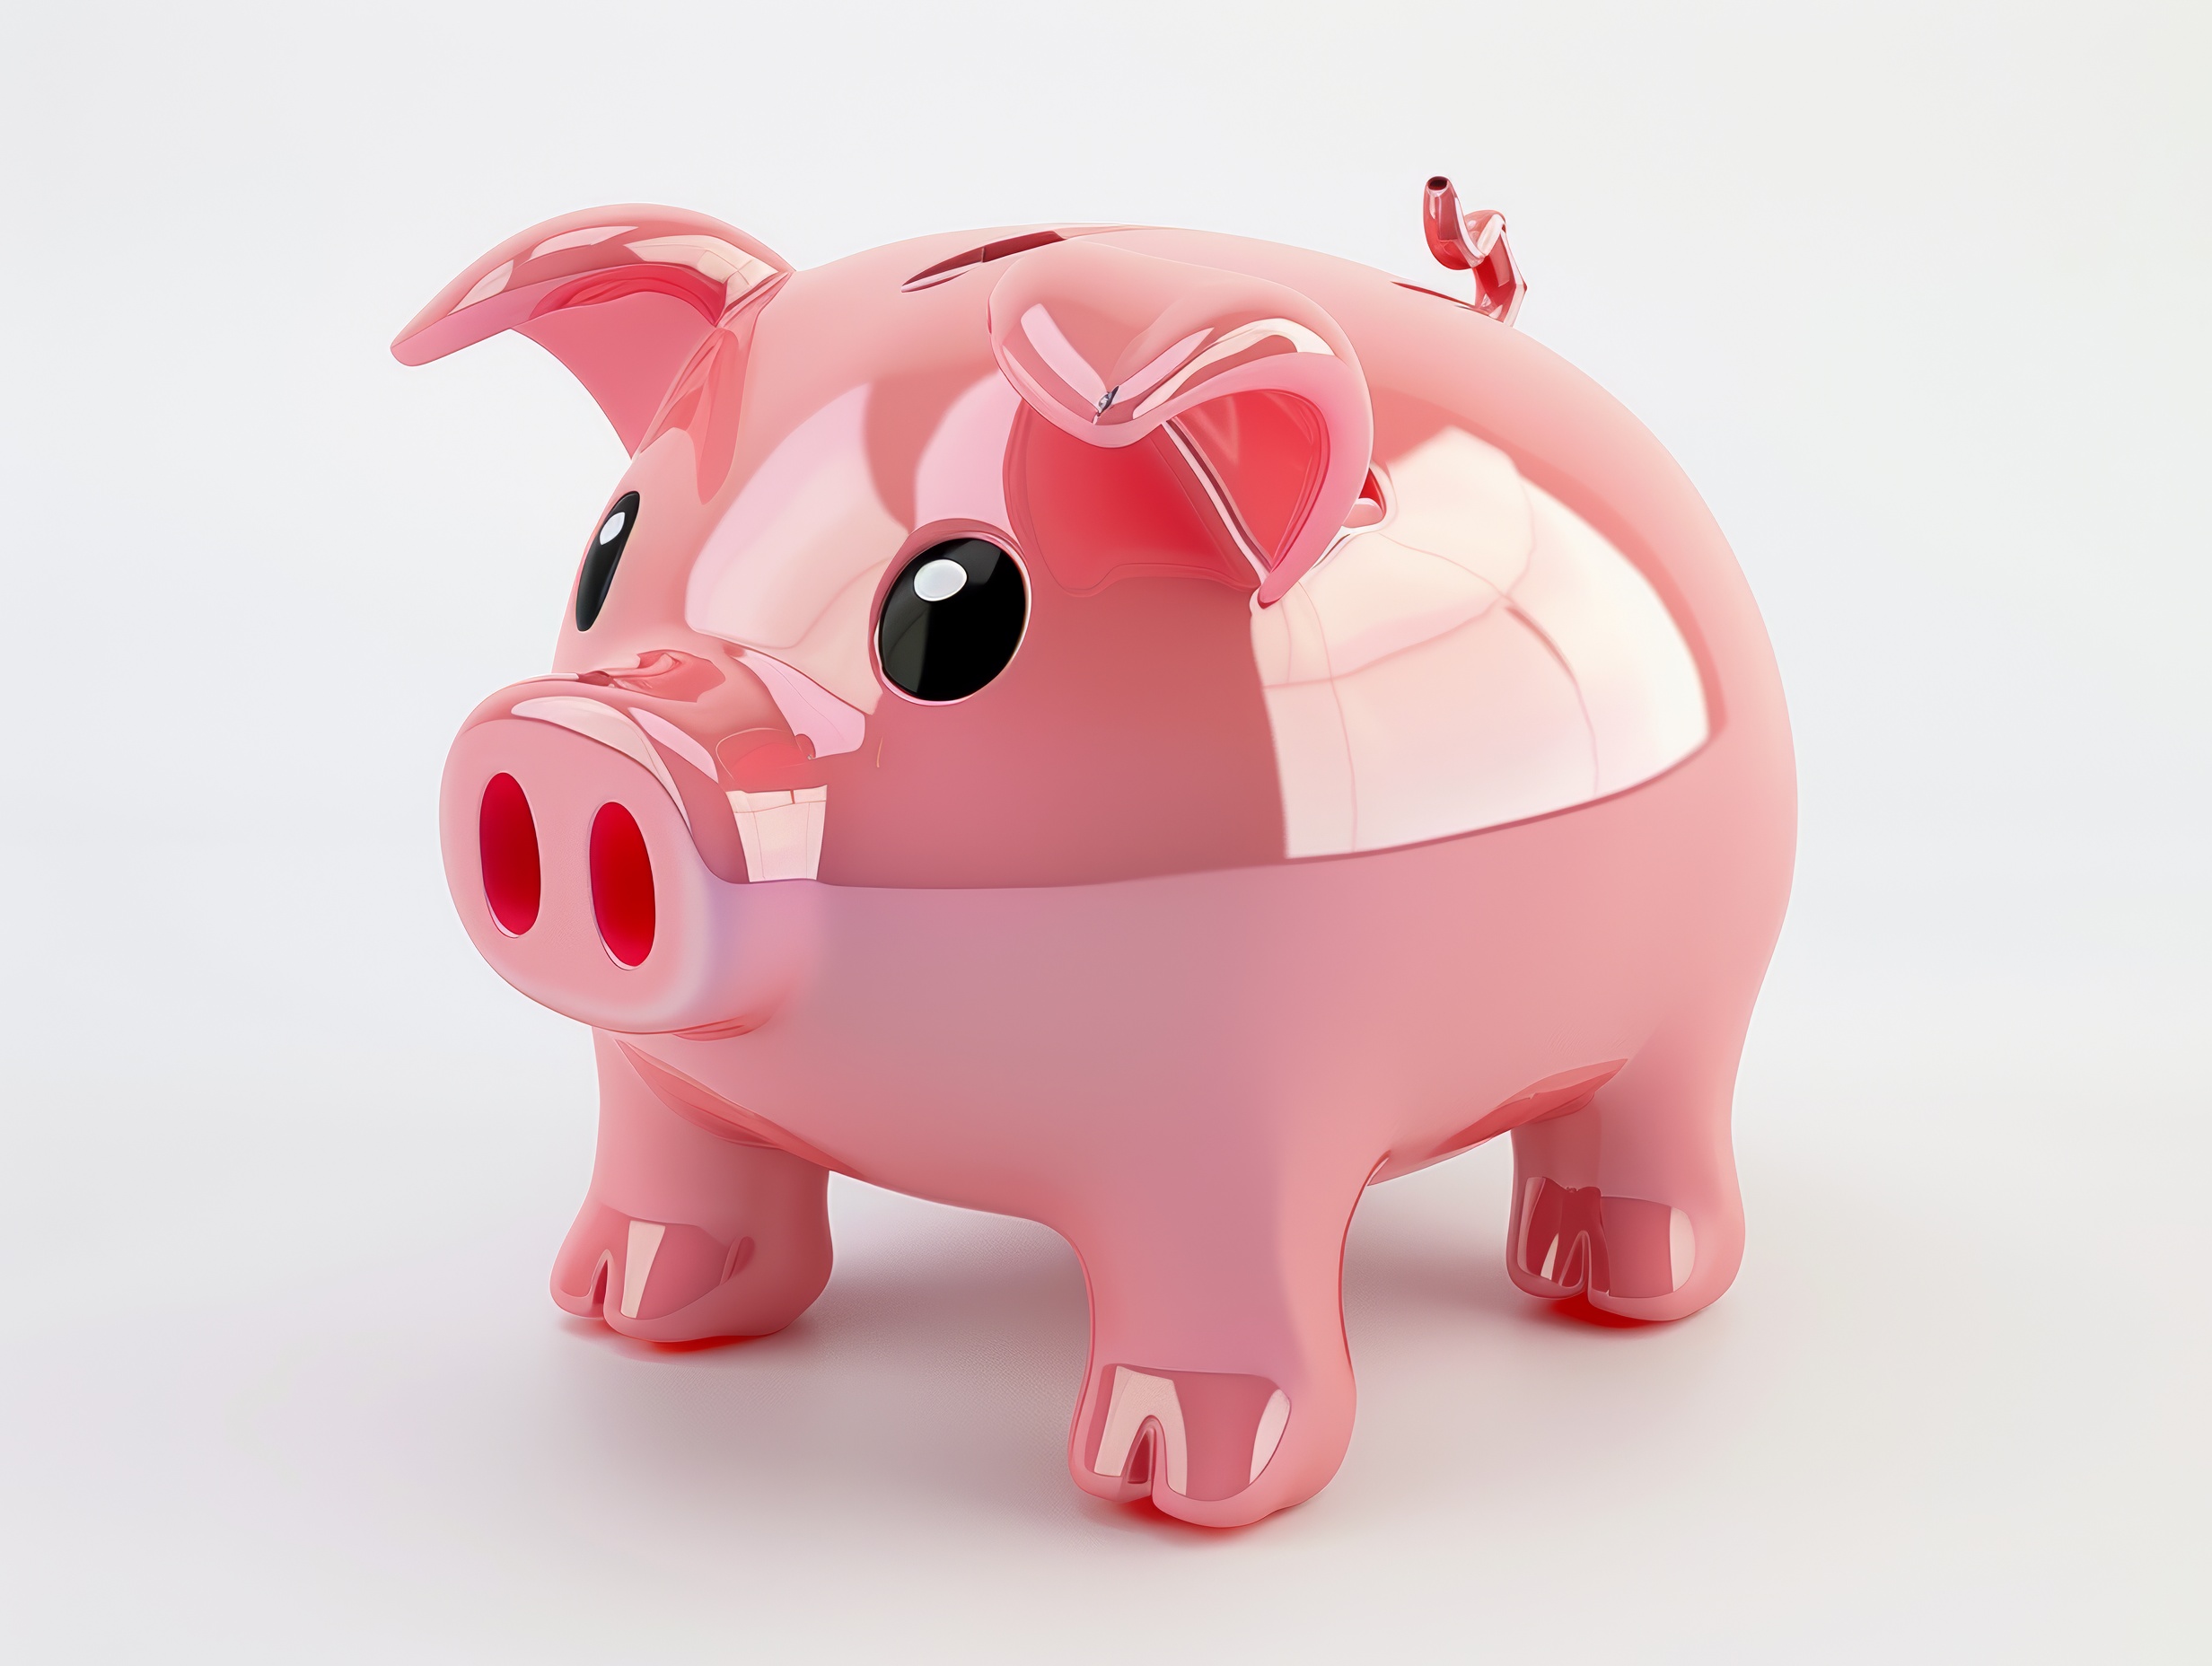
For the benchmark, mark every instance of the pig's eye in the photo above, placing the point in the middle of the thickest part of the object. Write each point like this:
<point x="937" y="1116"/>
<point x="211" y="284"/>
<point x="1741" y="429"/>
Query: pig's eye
<point x="952" y="620"/>
<point x="599" y="560"/>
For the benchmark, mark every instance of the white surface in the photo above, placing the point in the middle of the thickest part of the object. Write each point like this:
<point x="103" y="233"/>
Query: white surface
<point x="1914" y="296"/>
<point x="939" y="579"/>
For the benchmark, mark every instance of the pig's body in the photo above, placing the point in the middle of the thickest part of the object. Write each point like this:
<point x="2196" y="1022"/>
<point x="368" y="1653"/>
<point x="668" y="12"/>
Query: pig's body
<point x="1271" y="864"/>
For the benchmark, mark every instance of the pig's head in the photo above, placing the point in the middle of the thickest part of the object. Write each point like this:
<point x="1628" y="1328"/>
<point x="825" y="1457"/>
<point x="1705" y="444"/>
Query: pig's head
<point x="934" y="567"/>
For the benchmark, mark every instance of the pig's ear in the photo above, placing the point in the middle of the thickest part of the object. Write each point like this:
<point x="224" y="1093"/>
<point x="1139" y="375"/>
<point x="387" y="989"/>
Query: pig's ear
<point x="623" y="296"/>
<point x="1255" y="385"/>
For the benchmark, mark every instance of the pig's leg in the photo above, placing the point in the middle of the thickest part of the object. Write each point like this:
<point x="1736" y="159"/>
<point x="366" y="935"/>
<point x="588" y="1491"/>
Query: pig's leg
<point x="1218" y="1382"/>
<point x="1632" y="1200"/>
<point x="685" y="1234"/>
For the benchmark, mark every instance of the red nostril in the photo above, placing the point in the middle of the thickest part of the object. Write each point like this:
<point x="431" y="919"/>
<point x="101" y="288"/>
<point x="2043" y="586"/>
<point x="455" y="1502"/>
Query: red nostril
<point x="507" y="844"/>
<point x="621" y="885"/>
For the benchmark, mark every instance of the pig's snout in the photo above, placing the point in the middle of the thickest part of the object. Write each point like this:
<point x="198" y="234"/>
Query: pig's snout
<point x="602" y="881"/>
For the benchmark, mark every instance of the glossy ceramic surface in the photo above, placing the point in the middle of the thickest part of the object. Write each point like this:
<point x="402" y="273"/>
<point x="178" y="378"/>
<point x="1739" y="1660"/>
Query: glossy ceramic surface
<point x="1139" y="729"/>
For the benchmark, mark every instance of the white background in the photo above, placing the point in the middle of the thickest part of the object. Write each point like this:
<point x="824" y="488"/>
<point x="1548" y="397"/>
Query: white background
<point x="1918" y="296"/>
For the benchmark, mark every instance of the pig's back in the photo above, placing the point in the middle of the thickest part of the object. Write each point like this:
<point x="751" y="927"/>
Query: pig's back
<point x="1548" y="615"/>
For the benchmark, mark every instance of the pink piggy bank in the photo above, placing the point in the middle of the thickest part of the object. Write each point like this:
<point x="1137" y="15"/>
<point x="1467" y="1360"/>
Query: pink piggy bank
<point x="1144" y="731"/>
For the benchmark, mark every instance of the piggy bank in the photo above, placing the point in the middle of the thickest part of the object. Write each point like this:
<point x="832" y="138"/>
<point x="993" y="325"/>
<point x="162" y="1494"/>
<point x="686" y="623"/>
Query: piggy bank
<point x="1145" y="731"/>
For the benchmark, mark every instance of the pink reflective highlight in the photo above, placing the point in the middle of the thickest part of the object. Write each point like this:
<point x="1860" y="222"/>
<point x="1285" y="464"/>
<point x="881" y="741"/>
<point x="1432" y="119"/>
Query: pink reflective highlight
<point x="623" y="296"/>
<point x="1568" y="1240"/>
<point x="1201" y="1436"/>
<point x="1392" y="759"/>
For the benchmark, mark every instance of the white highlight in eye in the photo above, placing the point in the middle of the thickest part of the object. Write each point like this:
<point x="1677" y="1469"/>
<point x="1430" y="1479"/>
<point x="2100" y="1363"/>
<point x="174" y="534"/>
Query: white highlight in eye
<point x="939" y="579"/>
<point x="613" y="528"/>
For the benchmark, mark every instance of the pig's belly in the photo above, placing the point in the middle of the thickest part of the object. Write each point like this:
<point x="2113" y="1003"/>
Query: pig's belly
<point x="1026" y="1050"/>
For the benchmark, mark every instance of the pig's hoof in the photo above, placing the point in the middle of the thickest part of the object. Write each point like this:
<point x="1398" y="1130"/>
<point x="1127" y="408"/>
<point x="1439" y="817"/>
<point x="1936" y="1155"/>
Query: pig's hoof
<point x="1625" y="1255"/>
<point x="1209" y="1447"/>
<point x="668" y="1281"/>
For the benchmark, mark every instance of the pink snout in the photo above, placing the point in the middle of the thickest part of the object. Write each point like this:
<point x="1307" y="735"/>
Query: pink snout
<point x="578" y="876"/>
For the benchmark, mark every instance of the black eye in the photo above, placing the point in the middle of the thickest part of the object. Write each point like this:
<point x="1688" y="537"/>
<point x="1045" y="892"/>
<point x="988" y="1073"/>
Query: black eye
<point x="599" y="560"/>
<point x="952" y="620"/>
